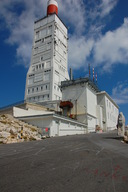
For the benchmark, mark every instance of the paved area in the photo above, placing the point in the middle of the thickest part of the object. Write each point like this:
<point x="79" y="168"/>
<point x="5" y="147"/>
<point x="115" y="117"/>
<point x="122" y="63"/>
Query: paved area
<point x="80" y="163"/>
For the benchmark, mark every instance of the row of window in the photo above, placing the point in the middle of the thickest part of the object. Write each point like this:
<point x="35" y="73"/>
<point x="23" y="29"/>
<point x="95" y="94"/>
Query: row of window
<point x="43" y="48"/>
<point x="112" y="117"/>
<point x="111" y="106"/>
<point x="57" y="97"/>
<point x="56" y="88"/>
<point x="41" y="66"/>
<point x="43" y="32"/>
<point x="39" y="98"/>
<point x="43" y="40"/>
<point x="62" y="69"/>
<point x="60" y="34"/>
<point x="38" y="89"/>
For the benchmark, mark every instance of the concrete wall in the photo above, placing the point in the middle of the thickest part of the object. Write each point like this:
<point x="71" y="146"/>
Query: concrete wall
<point x="69" y="128"/>
<point x="91" y="124"/>
<point x="17" y="112"/>
<point x="109" y="110"/>
<point x="40" y="122"/>
<point x="100" y="116"/>
<point x="84" y="101"/>
<point x="111" y="114"/>
<point x="59" y="126"/>
<point x="91" y="102"/>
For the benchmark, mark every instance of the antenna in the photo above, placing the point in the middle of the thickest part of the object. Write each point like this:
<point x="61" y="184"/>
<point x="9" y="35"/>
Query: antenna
<point x="96" y="77"/>
<point x="71" y="74"/>
<point x="93" y="74"/>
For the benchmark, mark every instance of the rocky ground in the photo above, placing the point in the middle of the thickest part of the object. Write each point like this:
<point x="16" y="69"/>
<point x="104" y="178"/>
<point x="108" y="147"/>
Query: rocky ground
<point x="13" y="130"/>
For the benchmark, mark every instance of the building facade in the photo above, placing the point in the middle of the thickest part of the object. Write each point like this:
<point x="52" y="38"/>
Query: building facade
<point x="49" y="58"/>
<point x="90" y="105"/>
<point x="107" y="112"/>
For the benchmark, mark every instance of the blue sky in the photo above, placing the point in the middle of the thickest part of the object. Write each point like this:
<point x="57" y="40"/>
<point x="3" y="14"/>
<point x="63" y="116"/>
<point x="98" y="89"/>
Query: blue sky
<point x="98" y="34"/>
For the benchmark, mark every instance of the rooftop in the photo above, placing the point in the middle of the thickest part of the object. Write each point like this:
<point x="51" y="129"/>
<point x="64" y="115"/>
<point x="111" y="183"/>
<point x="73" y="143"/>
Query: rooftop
<point x="91" y="83"/>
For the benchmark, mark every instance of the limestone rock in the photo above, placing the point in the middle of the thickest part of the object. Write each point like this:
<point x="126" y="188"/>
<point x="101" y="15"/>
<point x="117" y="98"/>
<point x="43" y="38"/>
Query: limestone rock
<point x="11" y="129"/>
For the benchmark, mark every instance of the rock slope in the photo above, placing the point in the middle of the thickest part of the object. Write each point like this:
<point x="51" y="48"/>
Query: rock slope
<point x="13" y="130"/>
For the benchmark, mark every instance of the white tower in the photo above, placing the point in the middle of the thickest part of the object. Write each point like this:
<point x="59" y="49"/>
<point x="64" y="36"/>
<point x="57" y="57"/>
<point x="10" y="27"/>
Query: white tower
<point x="49" y="58"/>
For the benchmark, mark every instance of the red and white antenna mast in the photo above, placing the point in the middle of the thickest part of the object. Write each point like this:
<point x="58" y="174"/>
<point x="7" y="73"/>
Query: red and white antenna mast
<point x="52" y="7"/>
<point x="96" y="77"/>
<point x="93" y="74"/>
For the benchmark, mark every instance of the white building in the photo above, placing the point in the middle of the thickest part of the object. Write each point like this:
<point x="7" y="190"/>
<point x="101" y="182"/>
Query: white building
<point x="107" y="111"/>
<point x="37" y="115"/>
<point x="90" y="106"/>
<point x="49" y="58"/>
<point x="83" y="105"/>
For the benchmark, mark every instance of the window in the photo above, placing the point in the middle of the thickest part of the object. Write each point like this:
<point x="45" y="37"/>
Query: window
<point x="28" y="91"/>
<point x="32" y="90"/>
<point x="46" y="86"/>
<point x="37" y="34"/>
<point x="41" y="88"/>
<point x="37" y="88"/>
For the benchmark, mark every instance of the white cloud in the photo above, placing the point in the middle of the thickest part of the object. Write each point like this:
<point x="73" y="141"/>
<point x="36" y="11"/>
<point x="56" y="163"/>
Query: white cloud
<point x="84" y="17"/>
<point x="107" y="6"/>
<point x="20" y="24"/>
<point x="120" y="93"/>
<point x="73" y="12"/>
<point x="79" y="50"/>
<point x="112" y="48"/>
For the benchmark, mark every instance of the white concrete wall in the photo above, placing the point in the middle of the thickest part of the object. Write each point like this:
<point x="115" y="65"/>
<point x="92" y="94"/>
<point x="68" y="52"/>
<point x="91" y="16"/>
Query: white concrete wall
<point x="49" y="60"/>
<point x="91" y="124"/>
<point x="40" y="122"/>
<point x="68" y="128"/>
<point x="86" y="100"/>
<point x="100" y="116"/>
<point x="58" y="126"/>
<point x="111" y="114"/>
<point x="109" y="110"/>
<point x="77" y="95"/>
<point x="18" y="112"/>
<point x="91" y="102"/>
